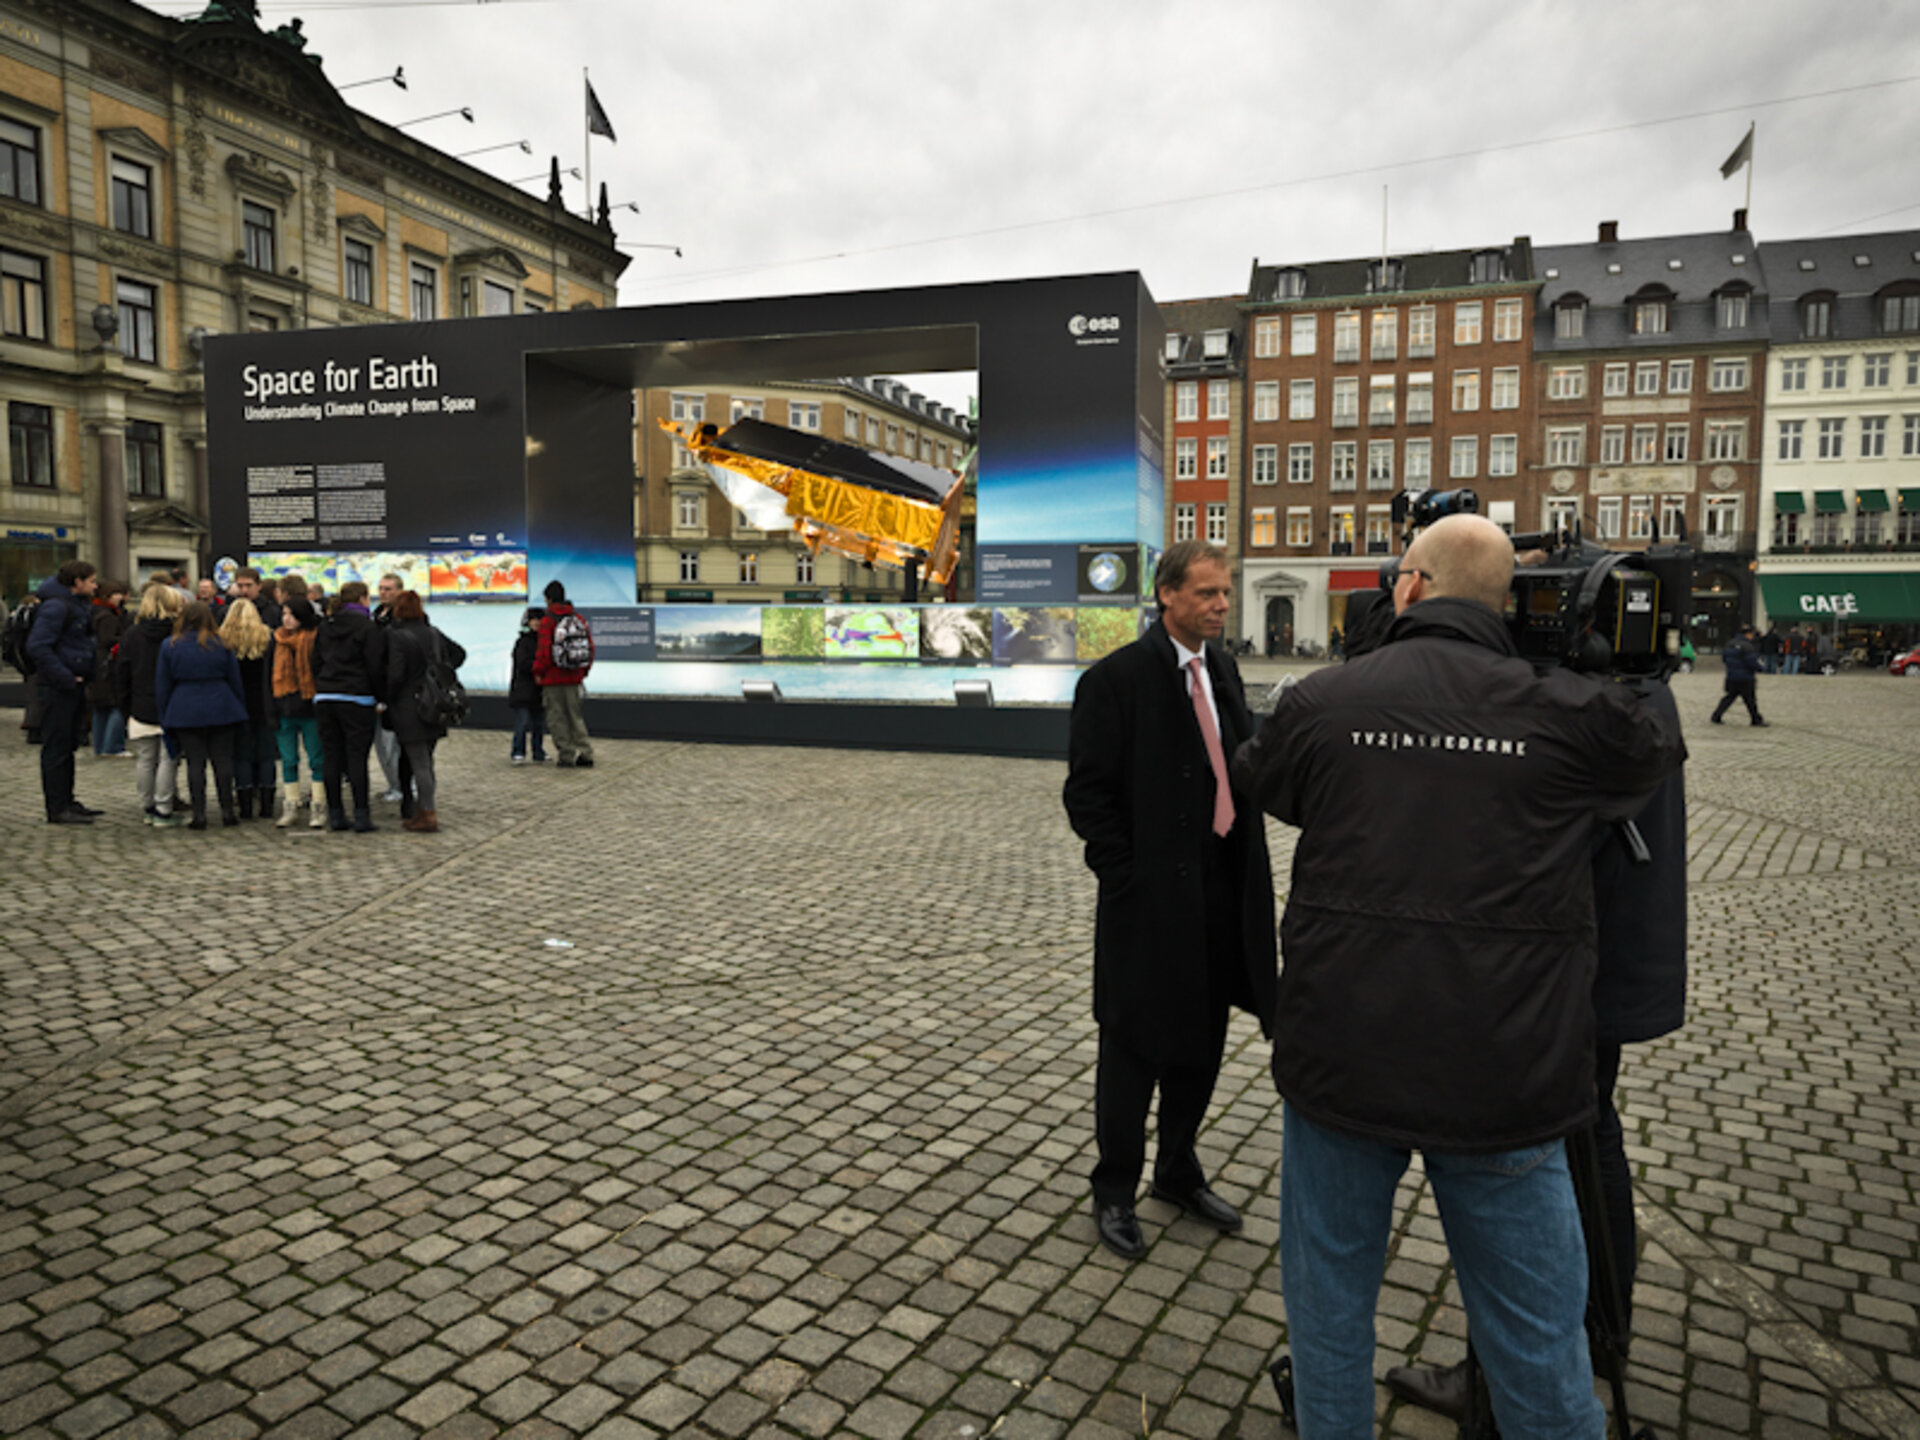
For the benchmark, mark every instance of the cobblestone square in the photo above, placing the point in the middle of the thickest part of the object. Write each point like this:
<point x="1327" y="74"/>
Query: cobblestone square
<point x="732" y="1092"/>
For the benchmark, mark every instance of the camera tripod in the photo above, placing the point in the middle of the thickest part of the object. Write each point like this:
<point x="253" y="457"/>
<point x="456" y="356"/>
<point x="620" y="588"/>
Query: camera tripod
<point x="1607" y="1316"/>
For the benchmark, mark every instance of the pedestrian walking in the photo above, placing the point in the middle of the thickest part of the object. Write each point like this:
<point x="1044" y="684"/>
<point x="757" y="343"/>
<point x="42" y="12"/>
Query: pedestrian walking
<point x="413" y="646"/>
<point x="1742" y="659"/>
<point x="198" y="686"/>
<point x="524" y="694"/>
<point x="135" y="671"/>
<point x="293" y="691"/>
<point x="247" y="635"/>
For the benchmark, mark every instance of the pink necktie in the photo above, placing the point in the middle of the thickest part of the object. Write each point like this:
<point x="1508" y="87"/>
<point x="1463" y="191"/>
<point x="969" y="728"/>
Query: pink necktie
<point x="1210" y="732"/>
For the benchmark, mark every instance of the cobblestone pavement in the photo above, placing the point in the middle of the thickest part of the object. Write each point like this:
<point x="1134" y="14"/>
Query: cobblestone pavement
<point x="739" y="1092"/>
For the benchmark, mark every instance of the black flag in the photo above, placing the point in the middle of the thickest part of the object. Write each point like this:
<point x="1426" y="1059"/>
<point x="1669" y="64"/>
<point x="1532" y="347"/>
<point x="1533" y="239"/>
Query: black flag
<point x="597" y="122"/>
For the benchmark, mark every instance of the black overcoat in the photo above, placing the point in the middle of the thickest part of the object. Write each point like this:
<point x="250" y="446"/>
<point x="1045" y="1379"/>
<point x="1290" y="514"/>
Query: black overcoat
<point x="1139" y="792"/>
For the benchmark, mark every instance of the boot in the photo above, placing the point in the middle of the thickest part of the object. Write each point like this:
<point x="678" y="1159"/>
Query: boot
<point x="337" y="818"/>
<point x="263" y="801"/>
<point x="423" y="822"/>
<point x="318" y="799"/>
<point x="289" y="804"/>
<point x="362" y="822"/>
<point x="246" y="802"/>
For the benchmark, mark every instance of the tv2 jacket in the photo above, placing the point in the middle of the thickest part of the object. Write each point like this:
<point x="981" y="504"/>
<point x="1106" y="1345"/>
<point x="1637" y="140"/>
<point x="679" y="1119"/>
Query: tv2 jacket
<point x="1139" y="793"/>
<point x="1439" y="936"/>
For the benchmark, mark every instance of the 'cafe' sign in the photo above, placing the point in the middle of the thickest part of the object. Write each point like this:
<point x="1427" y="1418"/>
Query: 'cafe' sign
<point x="1841" y="604"/>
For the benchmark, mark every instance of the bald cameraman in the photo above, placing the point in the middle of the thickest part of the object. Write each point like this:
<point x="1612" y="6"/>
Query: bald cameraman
<point x="1439" y="956"/>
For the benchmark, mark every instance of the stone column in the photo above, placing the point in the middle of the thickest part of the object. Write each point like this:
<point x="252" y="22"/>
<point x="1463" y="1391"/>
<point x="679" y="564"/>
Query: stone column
<point x="112" y="555"/>
<point x="202" y="501"/>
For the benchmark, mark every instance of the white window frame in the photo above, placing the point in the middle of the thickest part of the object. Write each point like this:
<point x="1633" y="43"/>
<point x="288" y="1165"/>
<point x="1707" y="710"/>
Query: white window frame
<point x="1834" y="370"/>
<point x="1613" y="444"/>
<point x="1793" y="376"/>
<point x="689" y="567"/>
<point x="803" y="415"/>
<point x="1216" y="457"/>
<point x="1300" y="400"/>
<point x="1646" y="377"/>
<point x="1679" y="377"/>
<point x="1422" y="324"/>
<point x="1646" y="445"/>
<point x="1567" y="382"/>
<point x="1383" y="335"/>
<point x="1263" y="528"/>
<point x="1299" y="525"/>
<point x="1509" y="320"/>
<point x="1606" y="517"/>
<point x="1219" y="399"/>
<point x="1567" y="445"/>
<point x="1343" y="465"/>
<point x="1725" y="440"/>
<point x="1727" y="374"/>
<point x="1873" y="437"/>
<point x="1266" y="337"/>
<point x="1266" y="400"/>
<point x="1466" y="391"/>
<point x="1186" y="458"/>
<point x="1792" y="440"/>
<point x="1346" y="337"/>
<point x="1346" y="400"/>
<point x="1831" y="435"/>
<point x="1418" y="458"/>
<point x="1216" y="522"/>
<point x="687" y="409"/>
<point x="1676" y="441"/>
<point x="1503" y="455"/>
<point x="1300" y="463"/>
<point x="1185" y="518"/>
<point x="1616" y="380"/>
<point x="1380" y="400"/>
<point x="1266" y="464"/>
<point x="1506" y="388"/>
<point x="1303" y="335"/>
<point x="1186" y="400"/>
<point x="1876" y="370"/>
<point x="1463" y="457"/>
<point x="1380" y="464"/>
<point x="1468" y="317"/>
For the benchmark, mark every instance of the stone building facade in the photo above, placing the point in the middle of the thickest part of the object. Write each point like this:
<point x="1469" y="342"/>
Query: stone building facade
<point x="162" y="180"/>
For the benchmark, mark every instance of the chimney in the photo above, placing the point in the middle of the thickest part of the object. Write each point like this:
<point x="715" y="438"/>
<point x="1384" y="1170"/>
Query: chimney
<point x="1609" y="232"/>
<point x="1739" y="220"/>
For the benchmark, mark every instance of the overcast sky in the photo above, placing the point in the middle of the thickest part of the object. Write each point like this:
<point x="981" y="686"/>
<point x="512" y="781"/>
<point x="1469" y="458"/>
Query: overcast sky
<point x="845" y="144"/>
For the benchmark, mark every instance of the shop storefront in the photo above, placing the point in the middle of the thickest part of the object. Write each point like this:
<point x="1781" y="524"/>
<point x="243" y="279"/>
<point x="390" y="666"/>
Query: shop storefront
<point x="29" y="556"/>
<point x="1867" y="611"/>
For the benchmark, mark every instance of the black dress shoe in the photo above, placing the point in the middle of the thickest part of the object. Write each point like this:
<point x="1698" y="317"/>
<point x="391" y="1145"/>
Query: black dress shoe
<point x="1205" y="1206"/>
<point x="1443" y="1391"/>
<point x="76" y="808"/>
<point x="69" y="817"/>
<point x="1119" y="1230"/>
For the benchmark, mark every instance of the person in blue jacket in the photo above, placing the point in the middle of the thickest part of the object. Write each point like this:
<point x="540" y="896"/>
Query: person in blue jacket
<point x="202" y="705"/>
<point x="61" y="650"/>
<point x="1742" y="659"/>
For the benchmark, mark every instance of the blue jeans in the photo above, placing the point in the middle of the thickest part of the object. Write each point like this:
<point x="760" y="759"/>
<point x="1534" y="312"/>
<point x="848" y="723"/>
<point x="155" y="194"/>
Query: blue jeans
<point x="530" y="723"/>
<point x="1514" y="1231"/>
<point x="109" y="731"/>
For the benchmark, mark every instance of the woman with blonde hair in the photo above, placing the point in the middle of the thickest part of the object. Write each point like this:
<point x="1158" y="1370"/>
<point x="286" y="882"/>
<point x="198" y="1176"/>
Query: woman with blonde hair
<point x="134" y="664"/>
<point x="248" y="637"/>
<point x="198" y="685"/>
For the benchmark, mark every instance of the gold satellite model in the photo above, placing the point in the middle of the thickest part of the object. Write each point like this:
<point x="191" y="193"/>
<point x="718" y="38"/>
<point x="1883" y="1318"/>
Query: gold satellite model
<point x="882" y="509"/>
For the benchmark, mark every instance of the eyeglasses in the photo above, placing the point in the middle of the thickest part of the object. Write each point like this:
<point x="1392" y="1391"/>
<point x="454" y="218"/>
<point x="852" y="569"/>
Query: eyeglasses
<point x="1406" y="570"/>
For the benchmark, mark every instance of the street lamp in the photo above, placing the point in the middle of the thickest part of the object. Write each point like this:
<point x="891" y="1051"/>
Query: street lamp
<point x="398" y="77"/>
<point x="463" y="112"/>
<point x="488" y="149"/>
<point x="643" y="245"/>
<point x="524" y="179"/>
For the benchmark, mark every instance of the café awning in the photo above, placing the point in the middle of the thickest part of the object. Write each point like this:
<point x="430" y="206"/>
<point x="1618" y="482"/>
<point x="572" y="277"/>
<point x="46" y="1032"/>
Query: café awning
<point x="1879" y="595"/>
<point x="1830" y="502"/>
<point x="1872" y="501"/>
<point x="1790" y="502"/>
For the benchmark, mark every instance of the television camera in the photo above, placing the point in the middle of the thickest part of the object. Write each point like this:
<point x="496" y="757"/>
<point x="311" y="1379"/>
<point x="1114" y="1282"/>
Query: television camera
<point x="1573" y="602"/>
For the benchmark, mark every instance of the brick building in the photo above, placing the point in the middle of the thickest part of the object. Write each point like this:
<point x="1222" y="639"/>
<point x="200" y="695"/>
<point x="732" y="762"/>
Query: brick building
<point x="1649" y="375"/>
<point x="1365" y="377"/>
<point x="693" y="546"/>
<point x="162" y="180"/>
<point x="1205" y="421"/>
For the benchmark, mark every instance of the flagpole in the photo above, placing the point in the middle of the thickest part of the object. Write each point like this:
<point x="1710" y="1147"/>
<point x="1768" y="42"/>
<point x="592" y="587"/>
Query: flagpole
<point x="586" y="136"/>
<point x="1753" y="131"/>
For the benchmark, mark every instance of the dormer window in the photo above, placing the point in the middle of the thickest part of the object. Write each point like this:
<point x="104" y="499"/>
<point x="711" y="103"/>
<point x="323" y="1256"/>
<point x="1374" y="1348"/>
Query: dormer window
<point x="1386" y="275"/>
<point x="1816" y="315"/>
<point x="1900" y="308"/>
<point x="1174" y="341"/>
<point x="1730" y="306"/>
<point x="1489" y="267"/>
<point x="1214" y="345"/>
<point x="1652" y="309"/>
<point x="1290" y="284"/>
<point x="1570" y="317"/>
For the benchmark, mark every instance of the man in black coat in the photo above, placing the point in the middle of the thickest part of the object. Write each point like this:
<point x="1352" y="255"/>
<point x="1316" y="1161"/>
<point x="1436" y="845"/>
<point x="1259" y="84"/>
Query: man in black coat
<point x="60" y="645"/>
<point x="1742" y="659"/>
<point x="1184" y="927"/>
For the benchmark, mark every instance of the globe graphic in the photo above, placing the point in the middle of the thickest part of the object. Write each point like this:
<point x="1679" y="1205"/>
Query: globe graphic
<point x="1106" y="572"/>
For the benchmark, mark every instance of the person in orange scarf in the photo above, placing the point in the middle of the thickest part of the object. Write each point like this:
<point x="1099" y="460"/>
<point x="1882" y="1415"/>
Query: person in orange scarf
<point x="293" y="691"/>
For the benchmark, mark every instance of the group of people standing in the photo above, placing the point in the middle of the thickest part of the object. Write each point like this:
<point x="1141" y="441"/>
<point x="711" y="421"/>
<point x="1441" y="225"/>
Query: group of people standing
<point x="260" y="677"/>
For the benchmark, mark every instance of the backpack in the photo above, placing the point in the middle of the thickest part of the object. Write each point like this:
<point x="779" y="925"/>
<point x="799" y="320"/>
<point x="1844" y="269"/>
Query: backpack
<point x="440" y="699"/>
<point x="572" y="643"/>
<point x="13" y="641"/>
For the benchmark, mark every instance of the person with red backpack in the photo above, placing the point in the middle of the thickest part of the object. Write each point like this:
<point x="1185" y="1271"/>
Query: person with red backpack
<point x="560" y="666"/>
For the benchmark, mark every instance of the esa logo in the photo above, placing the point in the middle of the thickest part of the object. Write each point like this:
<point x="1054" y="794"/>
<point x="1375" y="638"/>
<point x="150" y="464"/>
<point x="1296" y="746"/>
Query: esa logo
<point x="1081" y="326"/>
